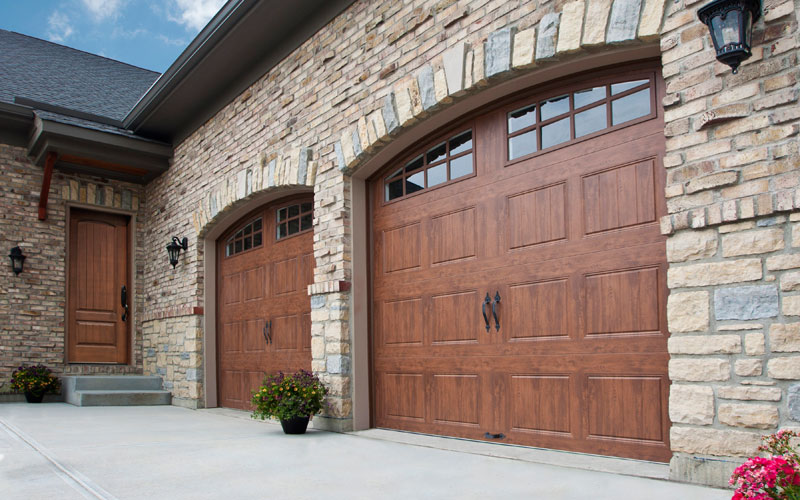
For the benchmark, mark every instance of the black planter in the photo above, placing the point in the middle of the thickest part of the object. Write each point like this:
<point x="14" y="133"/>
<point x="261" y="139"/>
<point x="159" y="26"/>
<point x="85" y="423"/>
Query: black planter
<point x="297" y="425"/>
<point x="34" y="398"/>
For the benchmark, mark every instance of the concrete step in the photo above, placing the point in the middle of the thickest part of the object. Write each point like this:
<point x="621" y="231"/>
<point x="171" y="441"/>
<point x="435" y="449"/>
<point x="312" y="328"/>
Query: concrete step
<point x="115" y="382"/>
<point x="114" y="390"/>
<point x="121" y="398"/>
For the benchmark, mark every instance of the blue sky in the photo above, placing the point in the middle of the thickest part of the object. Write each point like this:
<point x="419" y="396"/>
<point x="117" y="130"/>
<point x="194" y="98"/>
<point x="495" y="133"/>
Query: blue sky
<point x="145" y="33"/>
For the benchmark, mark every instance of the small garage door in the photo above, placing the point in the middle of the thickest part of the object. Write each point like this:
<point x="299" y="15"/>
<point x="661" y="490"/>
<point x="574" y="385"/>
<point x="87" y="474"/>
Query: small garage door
<point x="265" y="263"/>
<point x="519" y="275"/>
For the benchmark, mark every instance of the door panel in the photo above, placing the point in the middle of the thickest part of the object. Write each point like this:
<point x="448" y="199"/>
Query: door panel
<point x="567" y="247"/>
<point x="264" y="311"/>
<point x="98" y="269"/>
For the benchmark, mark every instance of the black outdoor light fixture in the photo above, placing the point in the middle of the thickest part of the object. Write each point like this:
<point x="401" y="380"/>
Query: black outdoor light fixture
<point x="731" y="25"/>
<point x="16" y="259"/>
<point x="174" y="249"/>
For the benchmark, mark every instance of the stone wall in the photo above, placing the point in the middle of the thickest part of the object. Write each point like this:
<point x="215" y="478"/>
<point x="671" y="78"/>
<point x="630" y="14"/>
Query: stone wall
<point x="172" y="349"/>
<point x="32" y="305"/>
<point x="732" y="181"/>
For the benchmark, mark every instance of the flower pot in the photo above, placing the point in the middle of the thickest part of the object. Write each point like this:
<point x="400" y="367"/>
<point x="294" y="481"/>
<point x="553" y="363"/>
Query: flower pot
<point x="297" y="425"/>
<point x="34" y="398"/>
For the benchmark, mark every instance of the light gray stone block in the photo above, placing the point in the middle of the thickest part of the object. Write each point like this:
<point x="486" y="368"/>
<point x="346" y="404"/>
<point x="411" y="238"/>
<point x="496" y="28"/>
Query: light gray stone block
<point x="426" y="87"/>
<point x="338" y="364"/>
<point x="498" y="51"/>
<point x="623" y="21"/>
<point x="194" y="374"/>
<point x="794" y="402"/>
<point x="126" y="199"/>
<point x="746" y="302"/>
<point x="389" y="112"/>
<point x="546" y="39"/>
<point x="337" y="148"/>
<point x="453" y="62"/>
<point x="318" y="301"/>
<point x="271" y="170"/>
<point x="302" y="169"/>
<point x="357" y="143"/>
<point x="212" y="205"/>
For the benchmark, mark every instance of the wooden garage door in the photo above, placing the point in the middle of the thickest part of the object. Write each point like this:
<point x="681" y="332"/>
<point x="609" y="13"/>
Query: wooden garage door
<point x="519" y="275"/>
<point x="265" y="264"/>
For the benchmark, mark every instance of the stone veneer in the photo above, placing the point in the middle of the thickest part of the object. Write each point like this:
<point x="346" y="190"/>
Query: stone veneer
<point x="380" y="68"/>
<point x="32" y="304"/>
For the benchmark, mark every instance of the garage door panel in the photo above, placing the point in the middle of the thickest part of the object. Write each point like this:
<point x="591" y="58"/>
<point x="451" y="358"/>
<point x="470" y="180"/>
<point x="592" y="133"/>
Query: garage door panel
<point x="401" y="322"/>
<point x="537" y="216"/>
<point x="404" y="396"/>
<point x="541" y="403"/>
<point x="285" y="276"/>
<point x="401" y="248"/>
<point x="454" y="236"/>
<point x="232" y="288"/>
<point x="623" y="302"/>
<point x="625" y="407"/>
<point x="252" y="336"/>
<point x="538" y="310"/>
<point x="254" y="283"/>
<point x="456" y="399"/>
<point x="456" y="318"/>
<point x="285" y="332"/>
<point x="619" y="197"/>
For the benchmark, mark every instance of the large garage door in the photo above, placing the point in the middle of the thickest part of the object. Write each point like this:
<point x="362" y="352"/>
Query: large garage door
<point x="265" y="263"/>
<point x="519" y="275"/>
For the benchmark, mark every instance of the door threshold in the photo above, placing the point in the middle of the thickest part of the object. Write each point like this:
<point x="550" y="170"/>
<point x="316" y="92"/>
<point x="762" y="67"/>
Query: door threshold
<point x="559" y="458"/>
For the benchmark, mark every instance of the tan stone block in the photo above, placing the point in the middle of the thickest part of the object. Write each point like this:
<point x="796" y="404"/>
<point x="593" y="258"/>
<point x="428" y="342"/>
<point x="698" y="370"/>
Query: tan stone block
<point x="440" y="87"/>
<point x="569" y="31"/>
<point x="688" y="312"/>
<point x="784" y="337"/>
<point x="650" y="23"/>
<point x="597" y="11"/>
<point x="796" y="235"/>
<point x="691" y="245"/>
<point x="317" y="348"/>
<point x="748" y="367"/>
<point x="781" y="262"/>
<point x="754" y="344"/>
<point x="748" y="415"/>
<point x="691" y="404"/>
<point x="736" y="95"/>
<point x="715" y="180"/>
<point x="784" y="368"/>
<point x="713" y="441"/>
<point x="705" y="344"/>
<point x="714" y="273"/>
<point x="699" y="370"/>
<point x="735" y="327"/>
<point x="318" y="366"/>
<point x="790" y="281"/>
<point x="749" y="393"/>
<point x="752" y="242"/>
<point x="791" y="305"/>
<point x="523" y="55"/>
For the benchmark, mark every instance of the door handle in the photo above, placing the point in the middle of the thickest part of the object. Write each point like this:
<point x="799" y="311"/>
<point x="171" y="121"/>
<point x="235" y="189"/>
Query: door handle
<point x="267" y="336"/>
<point x="494" y="311"/>
<point x="124" y="301"/>
<point x="486" y="302"/>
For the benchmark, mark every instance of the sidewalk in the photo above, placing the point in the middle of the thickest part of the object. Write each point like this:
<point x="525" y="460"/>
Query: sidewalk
<point x="59" y="451"/>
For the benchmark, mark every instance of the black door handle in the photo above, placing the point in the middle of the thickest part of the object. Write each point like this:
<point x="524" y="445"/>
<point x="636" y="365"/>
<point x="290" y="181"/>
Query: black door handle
<point x="267" y="336"/>
<point x="486" y="302"/>
<point x="494" y="311"/>
<point x="124" y="301"/>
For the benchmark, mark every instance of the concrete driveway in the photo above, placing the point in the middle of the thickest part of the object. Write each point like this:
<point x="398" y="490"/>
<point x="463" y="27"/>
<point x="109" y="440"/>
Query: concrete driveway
<point x="59" y="451"/>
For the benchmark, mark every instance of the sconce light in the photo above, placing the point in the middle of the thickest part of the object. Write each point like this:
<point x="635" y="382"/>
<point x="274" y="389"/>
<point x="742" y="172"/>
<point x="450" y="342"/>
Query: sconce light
<point x="16" y="259"/>
<point x="174" y="249"/>
<point x="731" y="25"/>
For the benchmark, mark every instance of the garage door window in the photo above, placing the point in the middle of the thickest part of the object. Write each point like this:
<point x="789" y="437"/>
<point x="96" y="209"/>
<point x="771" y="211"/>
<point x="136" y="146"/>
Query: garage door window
<point x="568" y="117"/>
<point x="249" y="236"/>
<point x="294" y="219"/>
<point x="448" y="160"/>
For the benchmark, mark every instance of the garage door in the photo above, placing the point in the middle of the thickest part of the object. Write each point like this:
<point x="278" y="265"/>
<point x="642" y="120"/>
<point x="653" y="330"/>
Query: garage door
<point x="519" y="275"/>
<point x="265" y="263"/>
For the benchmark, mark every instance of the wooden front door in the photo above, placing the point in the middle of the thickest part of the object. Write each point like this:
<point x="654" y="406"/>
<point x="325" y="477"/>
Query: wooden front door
<point x="519" y="275"/>
<point x="98" y="323"/>
<point x="265" y="264"/>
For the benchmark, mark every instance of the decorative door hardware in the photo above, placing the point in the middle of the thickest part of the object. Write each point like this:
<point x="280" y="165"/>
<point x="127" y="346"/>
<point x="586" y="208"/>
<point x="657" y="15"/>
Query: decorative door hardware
<point x="494" y="310"/>
<point x="266" y="332"/>
<point x="489" y="435"/>
<point x="124" y="301"/>
<point x="486" y="302"/>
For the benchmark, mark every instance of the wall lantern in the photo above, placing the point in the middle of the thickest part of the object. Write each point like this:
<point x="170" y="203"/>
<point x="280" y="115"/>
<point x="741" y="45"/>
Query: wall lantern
<point x="731" y="25"/>
<point x="174" y="249"/>
<point x="16" y="259"/>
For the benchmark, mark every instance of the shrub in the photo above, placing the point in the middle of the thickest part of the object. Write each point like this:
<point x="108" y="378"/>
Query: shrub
<point x="34" y="379"/>
<point x="288" y="395"/>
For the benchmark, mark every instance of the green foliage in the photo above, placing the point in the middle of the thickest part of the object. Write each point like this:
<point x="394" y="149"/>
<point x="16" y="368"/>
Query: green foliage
<point x="34" y="379"/>
<point x="285" y="396"/>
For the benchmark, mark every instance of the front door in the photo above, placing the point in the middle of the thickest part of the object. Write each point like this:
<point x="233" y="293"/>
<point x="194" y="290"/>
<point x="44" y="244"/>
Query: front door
<point x="98" y="287"/>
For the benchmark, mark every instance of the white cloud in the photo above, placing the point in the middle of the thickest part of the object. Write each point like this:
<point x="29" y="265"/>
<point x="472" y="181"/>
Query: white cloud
<point x="193" y="14"/>
<point x="59" y="26"/>
<point x="103" y="9"/>
<point x="178" y="42"/>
